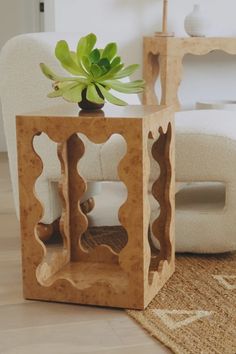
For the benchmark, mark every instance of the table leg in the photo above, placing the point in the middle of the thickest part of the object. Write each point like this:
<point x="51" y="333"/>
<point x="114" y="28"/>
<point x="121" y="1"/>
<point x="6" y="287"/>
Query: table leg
<point x="151" y="72"/>
<point x="72" y="189"/>
<point x="171" y="74"/>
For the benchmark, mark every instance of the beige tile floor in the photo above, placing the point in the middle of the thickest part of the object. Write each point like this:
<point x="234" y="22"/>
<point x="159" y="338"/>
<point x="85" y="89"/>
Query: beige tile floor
<point x="28" y="327"/>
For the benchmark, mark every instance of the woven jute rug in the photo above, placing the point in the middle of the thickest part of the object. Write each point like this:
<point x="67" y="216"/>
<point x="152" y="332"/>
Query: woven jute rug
<point x="195" y="312"/>
<point x="113" y="236"/>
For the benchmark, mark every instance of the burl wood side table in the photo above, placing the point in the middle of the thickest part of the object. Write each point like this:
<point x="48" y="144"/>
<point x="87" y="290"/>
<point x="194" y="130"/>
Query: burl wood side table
<point x="68" y="272"/>
<point x="163" y="57"/>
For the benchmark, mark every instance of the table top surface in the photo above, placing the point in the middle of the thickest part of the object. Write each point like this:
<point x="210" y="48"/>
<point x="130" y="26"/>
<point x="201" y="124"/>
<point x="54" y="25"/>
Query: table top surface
<point x="192" y="39"/>
<point x="109" y="111"/>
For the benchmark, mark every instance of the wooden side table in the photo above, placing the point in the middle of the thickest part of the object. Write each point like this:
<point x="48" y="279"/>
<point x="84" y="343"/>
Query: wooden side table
<point x="163" y="56"/>
<point x="70" y="273"/>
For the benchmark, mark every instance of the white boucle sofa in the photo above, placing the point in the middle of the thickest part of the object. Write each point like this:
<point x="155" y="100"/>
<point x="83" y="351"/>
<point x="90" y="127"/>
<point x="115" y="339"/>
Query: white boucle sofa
<point x="205" y="152"/>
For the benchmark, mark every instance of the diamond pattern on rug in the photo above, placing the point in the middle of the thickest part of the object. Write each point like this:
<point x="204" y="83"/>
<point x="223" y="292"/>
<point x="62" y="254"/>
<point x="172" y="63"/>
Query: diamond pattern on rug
<point x="194" y="312"/>
<point x="226" y="281"/>
<point x="169" y="317"/>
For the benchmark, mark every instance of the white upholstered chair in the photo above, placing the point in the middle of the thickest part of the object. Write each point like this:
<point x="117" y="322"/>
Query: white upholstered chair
<point x="205" y="151"/>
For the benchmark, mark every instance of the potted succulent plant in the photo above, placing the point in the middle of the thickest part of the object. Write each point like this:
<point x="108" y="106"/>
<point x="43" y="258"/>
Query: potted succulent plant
<point x="93" y="73"/>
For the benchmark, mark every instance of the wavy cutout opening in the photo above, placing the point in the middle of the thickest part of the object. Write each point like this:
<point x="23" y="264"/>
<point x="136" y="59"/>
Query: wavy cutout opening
<point x="48" y="229"/>
<point x="208" y="76"/>
<point x="159" y="231"/>
<point x="201" y="196"/>
<point x="108" y="193"/>
<point x="154" y="206"/>
<point x="47" y="191"/>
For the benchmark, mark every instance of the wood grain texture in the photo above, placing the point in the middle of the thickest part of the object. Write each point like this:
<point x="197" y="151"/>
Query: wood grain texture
<point x="69" y="272"/>
<point x="165" y="55"/>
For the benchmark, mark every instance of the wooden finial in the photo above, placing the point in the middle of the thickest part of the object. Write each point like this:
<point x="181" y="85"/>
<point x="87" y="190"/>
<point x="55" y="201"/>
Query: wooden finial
<point x="164" y="32"/>
<point x="164" y="18"/>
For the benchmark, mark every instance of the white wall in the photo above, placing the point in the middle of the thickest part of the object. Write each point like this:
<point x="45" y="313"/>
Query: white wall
<point x="16" y="17"/>
<point x="49" y="15"/>
<point x="127" y="21"/>
<point x="146" y="14"/>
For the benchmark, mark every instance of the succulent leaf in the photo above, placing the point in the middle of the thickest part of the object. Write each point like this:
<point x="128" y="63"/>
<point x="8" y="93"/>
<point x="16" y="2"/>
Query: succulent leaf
<point x="63" y="54"/>
<point x="111" y="98"/>
<point x="85" y="62"/>
<point x="92" y="95"/>
<point x="109" y="51"/>
<point x="94" y="56"/>
<point x="129" y="70"/>
<point x="104" y="64"/>
<point x="111" y="73"/>
<point x="63" y="85"/>
<point x="125" y="87"/>
<point x="74" y="94"/>
<point x="74" y="56"/>
<point x="96" y="70"/>
<point x="116" y="61"/>
<point x="61" y="88"/>
<point x="54" y="94"/>
<point x="86" y="45"/>
<point x="48" y="72"/>
<point x="52" y="76"/>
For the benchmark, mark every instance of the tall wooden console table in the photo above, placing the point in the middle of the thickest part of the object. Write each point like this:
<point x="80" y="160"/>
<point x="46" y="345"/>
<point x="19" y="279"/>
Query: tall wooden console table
<point x="164" y="56"/>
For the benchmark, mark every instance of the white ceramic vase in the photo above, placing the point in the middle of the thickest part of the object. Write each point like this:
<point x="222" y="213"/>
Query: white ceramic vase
<point x="196" y="24"/>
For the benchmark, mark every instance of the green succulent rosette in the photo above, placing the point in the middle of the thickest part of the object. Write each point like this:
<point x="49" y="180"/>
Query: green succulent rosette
<point x="95" y="70"/>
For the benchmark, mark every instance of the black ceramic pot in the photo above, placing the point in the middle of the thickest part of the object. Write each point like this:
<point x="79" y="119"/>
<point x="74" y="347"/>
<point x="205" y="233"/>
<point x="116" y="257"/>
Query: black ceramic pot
<point x="87" y="105"/>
